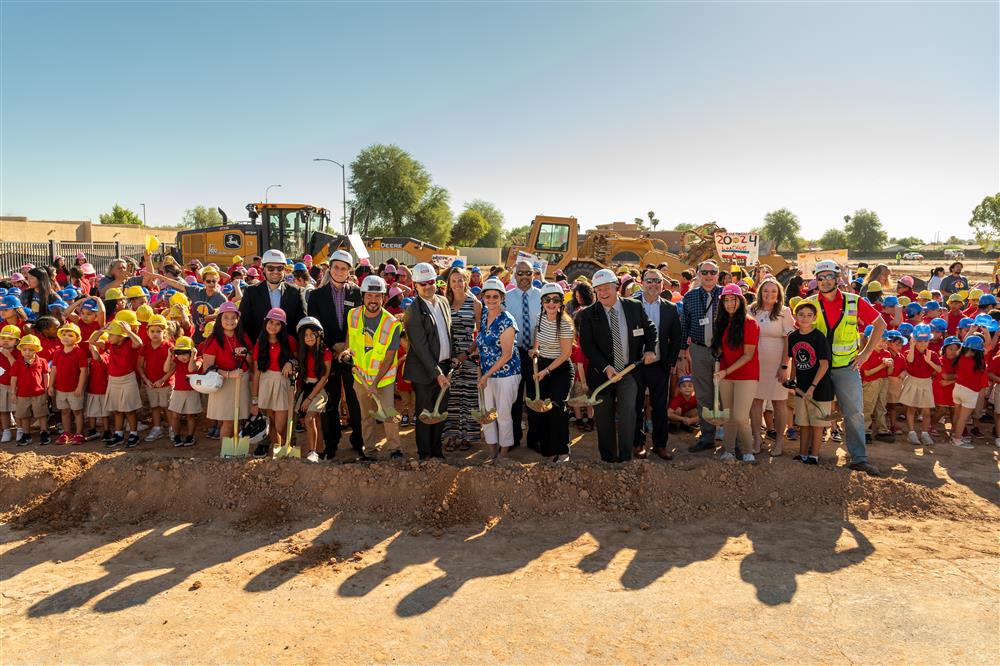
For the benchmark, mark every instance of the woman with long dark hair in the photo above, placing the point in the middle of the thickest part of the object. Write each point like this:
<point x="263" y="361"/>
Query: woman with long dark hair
<point x="553" y="348"/>
<point x="583" y="296"/>
<point x="734" y="343"/>
<point x="39" y="293"/>
<point x="273" y="355"/>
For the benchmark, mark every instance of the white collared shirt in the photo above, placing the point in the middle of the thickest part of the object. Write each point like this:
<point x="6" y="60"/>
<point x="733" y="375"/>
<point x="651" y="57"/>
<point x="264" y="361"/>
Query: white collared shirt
<point x="442" y="327"/>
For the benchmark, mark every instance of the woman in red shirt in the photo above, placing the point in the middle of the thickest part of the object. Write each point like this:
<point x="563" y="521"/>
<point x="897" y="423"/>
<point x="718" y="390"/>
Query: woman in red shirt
<point x="273" y="355"/>
<point x="226" y="350"/>
<point x="734" y="342"/>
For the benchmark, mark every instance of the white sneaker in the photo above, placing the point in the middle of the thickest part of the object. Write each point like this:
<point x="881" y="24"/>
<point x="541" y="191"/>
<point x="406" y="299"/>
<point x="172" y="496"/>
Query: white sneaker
<point x="727" y="457"/>
<point x="141" y="426"/>
<point x="925" y="437"/>
<point x="748" y="458"/>
<point x="8" y="436"/>
<point x="962" y="444"/>
<point x="996" y="442"/>
<point x="313" y="457"/>
<point x="154" y="434"/>
<point x="912" y="438"/>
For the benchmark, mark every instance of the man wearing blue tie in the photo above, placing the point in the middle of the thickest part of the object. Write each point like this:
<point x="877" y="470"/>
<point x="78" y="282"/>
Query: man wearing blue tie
<point x="525" y="305"/>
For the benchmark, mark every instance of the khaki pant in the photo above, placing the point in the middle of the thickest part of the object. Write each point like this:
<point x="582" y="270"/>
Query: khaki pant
<point x="368" y="422"/>
<point x="875" y="394"/>
<point x="737" y="395"/>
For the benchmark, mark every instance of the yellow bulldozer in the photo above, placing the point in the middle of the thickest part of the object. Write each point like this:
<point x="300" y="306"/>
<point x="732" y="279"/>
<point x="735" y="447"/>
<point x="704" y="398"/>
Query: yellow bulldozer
<point x="556" y="240"/>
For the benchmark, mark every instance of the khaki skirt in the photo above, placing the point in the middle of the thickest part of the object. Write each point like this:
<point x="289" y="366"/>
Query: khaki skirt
<point x="123" y="394"/>
<point x="158" y="397"/>
<point x="185" y="402"/>
<point x="917" y="392"/>
<point x="222" y="403"/>
<point x="273" y="392"/>
<point x="96" y="406"/>
<point x="6" y="399"/>
<point x="318" y="404"/>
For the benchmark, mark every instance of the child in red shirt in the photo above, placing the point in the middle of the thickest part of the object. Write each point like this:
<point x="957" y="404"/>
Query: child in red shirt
<point x="918" y="387"/>
<point x="67" y="383"/>
<point x="944" y="383"/>
<point x="683" y="409"/>
<point x="993" y="371"/>
<point x="89" y="315"/>
<point x="95" y="408"/>
<point x="122" y="398"/>
<point x="584" y="415"/>
<point x="151" y="369"/>
<point x="184" y="400"/>
<point x="970" y="380"/>
<point x="875" y="389"/>
<point x="9" y="355"/>
<point x="315" y="360"/>
<point x="46" y="329"/>
<point x="29" y="382"/>
<point x="895" y="382"/>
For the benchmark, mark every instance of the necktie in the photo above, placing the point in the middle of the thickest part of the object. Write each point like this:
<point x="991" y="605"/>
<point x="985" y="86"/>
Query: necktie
<point x="525" y="322"/>
<point x="616" y="340"/>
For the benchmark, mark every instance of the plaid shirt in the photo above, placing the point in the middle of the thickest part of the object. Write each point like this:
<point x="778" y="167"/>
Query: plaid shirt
<point x="696" y="304"/>
<point x="338" y="301"/>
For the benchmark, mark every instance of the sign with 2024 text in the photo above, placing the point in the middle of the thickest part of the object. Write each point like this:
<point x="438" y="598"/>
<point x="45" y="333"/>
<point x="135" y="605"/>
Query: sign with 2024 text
<point x="742" y="249"/>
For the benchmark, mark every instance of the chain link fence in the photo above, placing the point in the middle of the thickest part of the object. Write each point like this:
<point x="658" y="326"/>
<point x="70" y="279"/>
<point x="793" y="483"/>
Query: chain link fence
<point x="14" y="254"/>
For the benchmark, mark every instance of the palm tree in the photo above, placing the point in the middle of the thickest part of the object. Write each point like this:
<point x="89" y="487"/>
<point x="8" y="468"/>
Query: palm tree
<point x="653" y="221"/>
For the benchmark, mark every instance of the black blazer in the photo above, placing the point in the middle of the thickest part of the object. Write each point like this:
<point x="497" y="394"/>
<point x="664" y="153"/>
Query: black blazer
<point x="595" y="337"/>
<point x="425" y="345"/>
<point x="321" y="306"/>
<point x="669" y="332"/>
<point x="256" y="303"/>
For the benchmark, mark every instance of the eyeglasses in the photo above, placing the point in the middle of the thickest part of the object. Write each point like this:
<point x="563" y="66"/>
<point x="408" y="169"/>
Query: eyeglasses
<point x="428" y="283"/>
<point x="709" y="272"/>
<point x="551" y="299"/>
<point x="490" y="297"/>
<point x="274" y="268"/>
<point x="523" y="273"/>
<point x="826" y="276"/>
<point x="653" y="281"/>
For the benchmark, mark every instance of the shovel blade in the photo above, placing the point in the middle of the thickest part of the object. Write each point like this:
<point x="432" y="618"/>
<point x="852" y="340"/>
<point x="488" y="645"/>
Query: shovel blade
<point x="228" y="449"/>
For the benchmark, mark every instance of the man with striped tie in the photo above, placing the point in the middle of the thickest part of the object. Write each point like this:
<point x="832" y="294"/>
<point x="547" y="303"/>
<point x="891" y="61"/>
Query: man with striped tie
<point x="524" y="304"/>
<point x="614" y="333"/>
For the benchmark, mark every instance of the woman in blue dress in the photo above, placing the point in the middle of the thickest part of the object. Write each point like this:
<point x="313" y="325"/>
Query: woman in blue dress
<point x="500" y="367"/>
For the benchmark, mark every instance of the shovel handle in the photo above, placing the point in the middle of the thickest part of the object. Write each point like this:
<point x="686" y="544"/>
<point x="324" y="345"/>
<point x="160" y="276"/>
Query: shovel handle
<point x="538" y="389"/>
<point x="437" y="403"/>
<point x="618" y="375"/>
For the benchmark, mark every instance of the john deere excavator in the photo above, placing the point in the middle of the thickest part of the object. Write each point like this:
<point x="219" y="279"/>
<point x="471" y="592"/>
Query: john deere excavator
<point x="556" y="240"/>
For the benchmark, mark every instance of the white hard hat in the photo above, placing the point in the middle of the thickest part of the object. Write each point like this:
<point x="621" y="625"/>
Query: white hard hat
<point x="495" y="284"/>
<point x="206" y="383"/>
<point x="552" y="288"/>
<point x="373" y="284"/>
<point x="274" y="257"/>
<point x="424" y="272"/>
<point x="605" y="276"/>
<point x="308" y="321"/>
<point x="342" y="255"/>
<point x="826" y="266"/>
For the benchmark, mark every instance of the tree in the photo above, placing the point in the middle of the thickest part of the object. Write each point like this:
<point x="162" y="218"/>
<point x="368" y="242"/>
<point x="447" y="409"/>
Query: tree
<point x="782" y="227"/>
<point x="432" y="220"/>
<point x="119" y="215"/>
<point x="200" y="217"/>
<point x="519" y="235"/>
<point x="907" y="241"/>
<point x="864" y="232"/>
<point x="494" y="236"/>
<point x="639" y="222"/>
<point x="833" y="239"/>
<point x="986" y="219"/>
<point x="653" y="220"/>
<point x="391" y="185"/>
<point x="684" y="226"/>
<point x="471" y="226"/>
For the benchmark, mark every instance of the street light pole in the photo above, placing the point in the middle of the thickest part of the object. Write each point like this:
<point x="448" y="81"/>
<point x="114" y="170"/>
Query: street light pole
<point x="343" y="178"/>
<point x="143" y="214"/>
<point x="266" y="190"/>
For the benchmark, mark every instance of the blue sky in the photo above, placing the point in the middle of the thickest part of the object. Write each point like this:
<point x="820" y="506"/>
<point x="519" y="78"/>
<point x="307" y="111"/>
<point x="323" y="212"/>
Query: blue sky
<point x="604" y="111"/>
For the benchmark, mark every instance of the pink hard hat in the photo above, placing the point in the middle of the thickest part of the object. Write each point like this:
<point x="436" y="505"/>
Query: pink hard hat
<point x="88" y="268"/>
<point x="307" y="257"/>
<point x="81" y="255"/>
<point x="253" y="272"/>
<point x="277" y="314"/>
<point x="229" y="306"/>
<point x="732" y="290"/>
<point x="27" y="267"/>
<point x="394" y="291"/>
<point x="16" y="277"/>
<point x="389" y="268"/>
<point x="364" y="262"/>
<point x="58" y="257"/>
<point x="907" y="280"/>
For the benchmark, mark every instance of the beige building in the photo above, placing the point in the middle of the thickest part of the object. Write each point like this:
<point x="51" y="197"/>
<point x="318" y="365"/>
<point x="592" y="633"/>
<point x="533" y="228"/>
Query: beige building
<point x="82" y="231"/>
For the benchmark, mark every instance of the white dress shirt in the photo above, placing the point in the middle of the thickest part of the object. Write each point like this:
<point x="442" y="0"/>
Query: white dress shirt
<point x="442" y="326"/>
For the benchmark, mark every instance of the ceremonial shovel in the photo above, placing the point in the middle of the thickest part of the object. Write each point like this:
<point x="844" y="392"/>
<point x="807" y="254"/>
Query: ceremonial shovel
<point x="538" y="405"/>
<point x="430" y="418"/>
<point x="585" y="401"/>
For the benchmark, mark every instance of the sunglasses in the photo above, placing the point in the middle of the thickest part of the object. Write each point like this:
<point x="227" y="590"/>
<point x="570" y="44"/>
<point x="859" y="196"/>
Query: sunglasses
<point x="428" y="283"/>
<point x="653" y="281"/>
<point x="551" y="299"/>
<point x="826" y="276"/>
<point x="490" y="297"/>
<point x="709" y="272"/>
<point x="274" y="268"/>
<point x="523" y="273"/>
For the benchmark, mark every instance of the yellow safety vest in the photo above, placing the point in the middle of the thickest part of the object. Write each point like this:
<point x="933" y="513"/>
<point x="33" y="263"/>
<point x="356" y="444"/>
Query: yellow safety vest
<point x="844" y="338"/>
<point x="367" y="363"/>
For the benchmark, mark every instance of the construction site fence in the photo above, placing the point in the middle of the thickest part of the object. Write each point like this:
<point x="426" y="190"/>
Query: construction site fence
<point x="15" y="254"/>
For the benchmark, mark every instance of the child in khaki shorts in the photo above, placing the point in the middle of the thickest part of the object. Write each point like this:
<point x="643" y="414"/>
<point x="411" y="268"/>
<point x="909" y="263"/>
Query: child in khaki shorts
<point x="29" y="383"/>
<point x="67" y="383"/>
<point x="809" y="353"/>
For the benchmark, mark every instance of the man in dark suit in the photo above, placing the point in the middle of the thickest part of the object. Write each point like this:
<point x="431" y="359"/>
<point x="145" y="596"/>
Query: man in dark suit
<point x="429" y="358"/>
<point x="655" y="377"/>
<point x="273" y="292"/>
<point x="614" y="333"/>
<point x="329" y="303"/>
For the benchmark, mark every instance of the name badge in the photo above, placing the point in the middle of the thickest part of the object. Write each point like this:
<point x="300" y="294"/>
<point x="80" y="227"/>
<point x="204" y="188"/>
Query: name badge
<point x="346" y="302"/>
<point x="703" y="321"/>
<point x="636" y="332"/>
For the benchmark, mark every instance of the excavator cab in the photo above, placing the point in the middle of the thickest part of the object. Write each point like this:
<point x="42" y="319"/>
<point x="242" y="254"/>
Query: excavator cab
<point x="288" y="227"/>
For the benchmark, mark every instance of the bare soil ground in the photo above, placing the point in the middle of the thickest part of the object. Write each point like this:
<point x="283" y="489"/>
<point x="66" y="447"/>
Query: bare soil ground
<point x="174" y="556"/>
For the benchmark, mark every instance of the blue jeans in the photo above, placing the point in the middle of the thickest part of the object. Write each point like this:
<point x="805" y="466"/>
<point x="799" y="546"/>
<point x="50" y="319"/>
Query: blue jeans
<point x="850" y="398"/>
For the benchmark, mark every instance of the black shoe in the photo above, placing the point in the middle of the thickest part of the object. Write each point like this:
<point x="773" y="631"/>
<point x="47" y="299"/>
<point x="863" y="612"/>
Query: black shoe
<point x="837" y="436"/>
<point x="189" y="440"/>
<point x="107" y="436"/>
<point x="43" y="439"/>
<point x="701" y="446"/>
<point x="423" y="456"/>
<point x="986" y="418"/>
<point x="771" y="434"/>
<point x="115" y="441"/>
<point x="885" y="437"/>
<point x="868" y="438"/>
<point x="262" y="450"/>
<point x="178" y="442"/>
<point x="866" y="467"/>
<point x="91" y="435"/>
<point x="396" y="455"/>
<point x="363" y="457"/>
<point x="132" y="441"/>
<point x="300" y="427"/>
<point x="810" y="460"/>
<point x="24" y="439"/>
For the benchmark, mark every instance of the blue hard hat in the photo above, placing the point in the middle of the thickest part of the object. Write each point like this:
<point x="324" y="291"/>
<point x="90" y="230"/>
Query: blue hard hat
<point x="10" y="302"/>
<point x="476" y="290"/>
<point x="58" y="303"/>
<point x="458" y="263"/>
<point x="14" y="291"/>
<point x="405" y="303"/>
<point x="913" y="309"/>
<point x="858" y="282"/>
<point x="3" y="292"/>
<point x="987" y="299"/>
<point x="685" y="378"/>
<point x="475" y="269"/>
<point x="951" y="340"/>
<point x="227" y="288"/>
<point x="536" y="283"/>
<point x="145" y="291"/>
<point x="890" y="302"/>
<point x="69" y="293"/>
<point x="939" y="325"/>
<point x="975" y="343"/>
<point x="966" y="322"/>
<point x="299" y="266"/>
<point x="90" y="305"/>
<point x="922" y="332"/>
<point x="993" y="326"/>
<point x="983" y="320"/>
<point x="890" y="335"/>
<point x="868" y="330"/>
<point x="906" y="329"/>
<point x="932" y="306"/>
<point x="31" y="315"/>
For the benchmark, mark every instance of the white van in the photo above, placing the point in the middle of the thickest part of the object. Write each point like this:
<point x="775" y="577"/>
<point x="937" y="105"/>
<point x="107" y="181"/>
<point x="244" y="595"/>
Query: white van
<point x="954" y="254"/>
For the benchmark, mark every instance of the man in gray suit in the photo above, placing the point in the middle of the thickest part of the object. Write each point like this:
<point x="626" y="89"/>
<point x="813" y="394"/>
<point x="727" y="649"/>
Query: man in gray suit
<point x="428" y="327"/>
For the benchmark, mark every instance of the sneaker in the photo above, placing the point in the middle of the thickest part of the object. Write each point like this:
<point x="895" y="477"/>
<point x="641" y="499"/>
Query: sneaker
<point x="213" y="432"/>
<point x="720" y="433"/>
<point x="976" y="432"/>
<point x="107" y="436"/>
<point x="802" y="458"/>
<point x="263" y="449"/>
<point x="132" y="441"/>
<point x="313" y="457"/>
<point x="811" y="460"/>
<point x="967" y="440"/>
<point x="300" y="426"/>
<point x="962" y="444"/>
<point x="885" y="437"/>
<point x="154" y="434"/>
<point x="866" y="467"/>
<point x="178" y="442"/>
<point x="91" y="435"/>
<point x="189" y="440"/>
<point x="78" y="439"/>
<point x="913" y="439"/>
<point x="24" y="439"/>
<point x="43" y="439"/>
<point x="727" y="457"/>
<point x="406" y="421"/>
<point x="117" y="440"/>
<point x="63" y="438"/>
<point x="985" y="418"/>
<point x="142" y="427"/>
<point x="791" y="434"/>
<point x="748" y="458"/>
<point x="7" y="436"/>
<point x="398" y="455"/>
<point x="771" y="434"/>
<point x="926" y="439"/>
<point x="701" y="446"/>
<point x="837" y="436"/>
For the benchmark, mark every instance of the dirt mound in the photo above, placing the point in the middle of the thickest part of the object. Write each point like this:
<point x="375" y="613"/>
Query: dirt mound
<point x="59" y="491"/>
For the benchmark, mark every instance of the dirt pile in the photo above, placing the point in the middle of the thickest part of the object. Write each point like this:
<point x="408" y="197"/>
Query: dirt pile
<point x="60" y="491"/>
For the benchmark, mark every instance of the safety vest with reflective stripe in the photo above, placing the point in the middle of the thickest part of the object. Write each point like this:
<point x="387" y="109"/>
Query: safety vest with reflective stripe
<point x="844" y="337"/>
<point x="368" y="363"/>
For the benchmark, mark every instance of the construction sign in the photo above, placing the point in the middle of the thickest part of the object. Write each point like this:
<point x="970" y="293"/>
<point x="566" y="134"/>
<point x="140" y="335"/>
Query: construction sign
<point x="443" y="261"/>
<point x="536" y="263"/>
<point x="807" y="260"/>
<point x="742" y="249"/>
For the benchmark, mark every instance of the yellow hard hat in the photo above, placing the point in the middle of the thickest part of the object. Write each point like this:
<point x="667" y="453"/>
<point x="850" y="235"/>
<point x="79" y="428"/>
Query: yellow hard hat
<point x="117" y="327"/>
<point x="964" y="293"/>
<point x="925" y="294"/>
<point x="237" y="259"/>
<point x="184" y="343"/>
<point x="113" y="294"/>
<point x="127" y="316"/>
<point x="10" y="331"/>
<point x="144" y="312"/>
<point x="209" y="327"/>
<point x="801" y="303"/>
<point x="30" y="342"/>
<point x="175" y="312"/>
<point x="904" y="301"/>
<point x="861" y="271"/>
<point x="875" y="285"/>
<point x="156" y="320"/>
<point x="748" y="280"/>
<point x="179" y="299"/>
<point x="135" y="291"/>
<point x="209" y="270"/>
<point x="955" y="298"/>
<point x="975" y="294"/>
<point x="70" y="327"/>
<point x="793" y="301"/>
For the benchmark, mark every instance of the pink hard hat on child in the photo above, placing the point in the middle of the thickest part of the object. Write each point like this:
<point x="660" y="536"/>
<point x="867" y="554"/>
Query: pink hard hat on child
<point x="732" y="290"/>
<point x="81" y="255"/>
<point x="228" y="306"/>
<point x="276" y="314"/>
<point x="907" y="280"/>
<point x="394" y="291"/>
